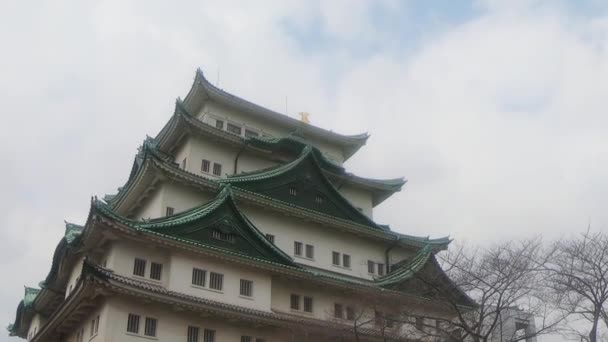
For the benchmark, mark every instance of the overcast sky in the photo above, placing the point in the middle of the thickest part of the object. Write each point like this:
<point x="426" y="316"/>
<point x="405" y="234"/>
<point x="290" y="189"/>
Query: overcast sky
<point x="493" y="110"/>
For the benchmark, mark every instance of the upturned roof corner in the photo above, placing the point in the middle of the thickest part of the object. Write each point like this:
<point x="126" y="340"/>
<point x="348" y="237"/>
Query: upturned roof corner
<point x="200" y="224"/>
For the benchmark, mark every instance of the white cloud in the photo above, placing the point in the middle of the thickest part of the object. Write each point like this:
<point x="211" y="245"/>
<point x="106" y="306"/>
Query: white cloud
<point x="498" y="122"/>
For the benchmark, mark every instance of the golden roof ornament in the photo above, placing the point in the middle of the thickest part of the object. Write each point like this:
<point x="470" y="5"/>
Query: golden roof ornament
<point x="305" y="117"/>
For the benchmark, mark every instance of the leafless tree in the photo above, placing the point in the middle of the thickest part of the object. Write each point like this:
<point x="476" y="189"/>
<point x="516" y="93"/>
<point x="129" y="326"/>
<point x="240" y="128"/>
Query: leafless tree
<point x="578" y="278"/>
<point x="504" y="280"/>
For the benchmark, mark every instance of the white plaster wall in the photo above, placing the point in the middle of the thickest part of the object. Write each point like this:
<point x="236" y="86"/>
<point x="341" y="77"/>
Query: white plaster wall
<point x="74" y="276"/>
<point x="183" y="151"/>
<point x="245" y="120"/>
<point x="181" y="281"/>
<point x="195" y="149"/>
<point x="216" y="152"/>
<point x="179" y="197"/>
<point x="123" y="254"/>
<point x="182" y="197"/>
<point x="249" y="162"/>
<point x="35" y="324"/>
<point x="152" y="206"/>
<point x="325" y="240"/>
<point x="323" y="299"/>
<point x="172" y="325"/>
<point x="288" y="229"/>
<point x="359" y="198"/>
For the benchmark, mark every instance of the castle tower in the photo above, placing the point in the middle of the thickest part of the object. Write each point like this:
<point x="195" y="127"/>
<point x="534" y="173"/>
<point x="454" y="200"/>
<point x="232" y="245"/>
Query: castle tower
<point x="237" y="223"/>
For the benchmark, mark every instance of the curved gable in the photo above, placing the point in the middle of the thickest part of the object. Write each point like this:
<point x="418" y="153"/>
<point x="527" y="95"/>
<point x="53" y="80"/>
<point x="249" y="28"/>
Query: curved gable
<point x="302" y="183"/>
<point x="219" y="224"/>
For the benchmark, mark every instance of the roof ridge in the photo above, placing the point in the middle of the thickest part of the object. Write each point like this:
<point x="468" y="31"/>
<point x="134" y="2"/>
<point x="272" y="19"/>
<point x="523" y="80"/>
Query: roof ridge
<point x="408" y="269"/>
<point x="211" y="90"/>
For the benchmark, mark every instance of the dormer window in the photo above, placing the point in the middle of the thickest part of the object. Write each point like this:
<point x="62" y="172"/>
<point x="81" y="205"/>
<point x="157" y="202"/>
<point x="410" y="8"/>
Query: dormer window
<point x="319" y="199"/>
<point x="219" y="235"/>
<point x="205" y="165"/>
<point x="249" y="133"/>
<point x="217" y="169"/>
<point x="219" y="124"/>
<point x="293" y="191"/>
<point x="234" y="129"/>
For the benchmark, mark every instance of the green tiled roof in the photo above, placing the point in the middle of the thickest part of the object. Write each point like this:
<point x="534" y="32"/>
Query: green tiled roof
<point x="305" y="176"/>
<point x="409" y="269"/>
<point x="204" y="89"/>
<point x="30" y="295"/>
<point x="25" y="305"/>
<point x="72" y="232"/>
<point x="173" y="170"/>
<point x="198" y="225"/>
<point x="180" y="225"/>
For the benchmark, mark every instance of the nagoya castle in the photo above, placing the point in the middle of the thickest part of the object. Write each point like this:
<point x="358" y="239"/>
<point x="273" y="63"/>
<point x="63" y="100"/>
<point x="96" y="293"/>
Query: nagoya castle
<point x="238" y="223"/>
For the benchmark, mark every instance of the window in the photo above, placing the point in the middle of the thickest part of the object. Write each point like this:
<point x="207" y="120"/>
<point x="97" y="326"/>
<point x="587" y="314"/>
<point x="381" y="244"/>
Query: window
<point x="270" y="238"/>
<point x="184" y="163"/>
<point x="335" y="258"/>
<point x="205" y="165"/>
<point x="250" y="133"/>
<point x="295" y="302"/>
<point x="133" y="324"/>
<point x="308" y="304"/>
<point x="219" y="124"/>
<point x="297" y="248"/>
<point x="338" y="312"/>
<point x="156" y="270"/>
<point x="350" y="313"/>
<point x="216" y="281"/>
<point x="199" y="277"/>
<point x="139" y="267"/>
<point x="310" y="251"/>
<point x="346" y="260"/>
<point x="380" y="269"/>
<point x="293" y="191"/>
<point x="219" y="235"/>
<point x="319" y="199"/>
<point x="246" y="339"/>
<point x="96" y="324"/>
<point x="193" y="333"/>
<point x="371" y="267"/>
<point x="169" y="211"/>
<point x="234" y="129"/>
<point x="246" y="288"/>
<point x="217" y="169"/>
<point x="209" y="335"/>
<point x="150" y="327"/>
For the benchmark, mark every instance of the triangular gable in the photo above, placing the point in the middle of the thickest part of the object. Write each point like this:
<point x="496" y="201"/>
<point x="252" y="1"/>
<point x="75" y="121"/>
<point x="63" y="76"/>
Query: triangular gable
<point x="219" y="224"/>
<point x="302" y="183"/>
<point x="422" y="275"/>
